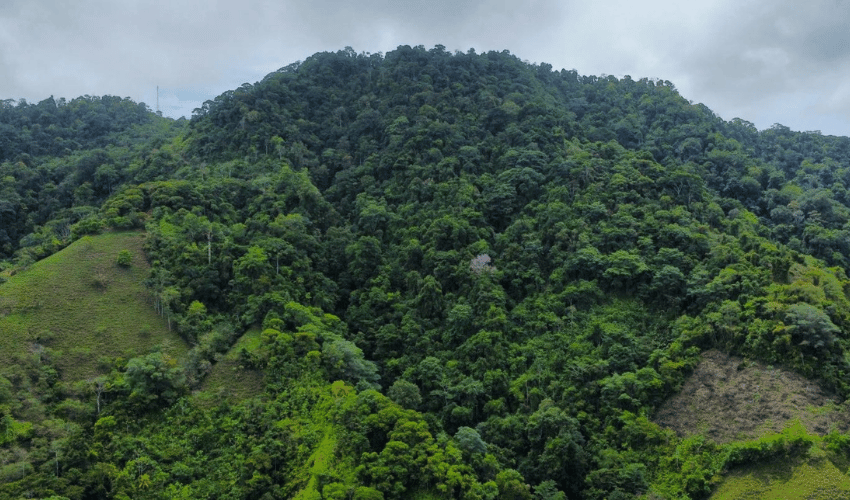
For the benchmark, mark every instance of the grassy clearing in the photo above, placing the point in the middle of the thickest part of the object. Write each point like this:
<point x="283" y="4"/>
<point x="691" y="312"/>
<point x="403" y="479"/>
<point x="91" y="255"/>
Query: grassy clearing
<point x="324" y="461"/>
<point x="812" y="478"/>
<point x="81" y="303"/>
<point x="229" y="378"/>
<point x="729" y="399"/>
<point x="319" y="463"/>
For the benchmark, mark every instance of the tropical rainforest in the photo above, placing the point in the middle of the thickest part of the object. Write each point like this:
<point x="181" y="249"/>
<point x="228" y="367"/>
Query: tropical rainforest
<point x="419" y="274"/>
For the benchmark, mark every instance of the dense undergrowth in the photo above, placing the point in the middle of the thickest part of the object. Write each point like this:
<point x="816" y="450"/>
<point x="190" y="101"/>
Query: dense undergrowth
<point x="472" y="278"/>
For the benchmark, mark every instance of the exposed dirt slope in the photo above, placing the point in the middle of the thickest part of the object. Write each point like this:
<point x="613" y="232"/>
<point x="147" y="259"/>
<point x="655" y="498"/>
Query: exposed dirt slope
<point x="730" y="398"/>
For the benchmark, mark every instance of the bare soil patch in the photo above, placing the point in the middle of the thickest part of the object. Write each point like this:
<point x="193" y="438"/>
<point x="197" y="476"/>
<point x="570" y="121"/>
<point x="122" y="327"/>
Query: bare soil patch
<point x="729" y="398"/>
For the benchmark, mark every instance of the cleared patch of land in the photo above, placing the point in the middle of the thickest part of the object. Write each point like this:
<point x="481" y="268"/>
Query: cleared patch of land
<point x="229" y="378"/>
<point x="84" y="307"/>
<point x="814" y="478"/>
<point x="728" y="398"/>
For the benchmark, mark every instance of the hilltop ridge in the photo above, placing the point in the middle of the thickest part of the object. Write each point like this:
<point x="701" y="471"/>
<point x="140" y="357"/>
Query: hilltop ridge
<point x="456" y="276"/>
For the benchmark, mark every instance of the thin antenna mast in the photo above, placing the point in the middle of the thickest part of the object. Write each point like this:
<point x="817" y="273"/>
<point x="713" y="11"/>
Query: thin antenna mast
<point x="157" y="99"/>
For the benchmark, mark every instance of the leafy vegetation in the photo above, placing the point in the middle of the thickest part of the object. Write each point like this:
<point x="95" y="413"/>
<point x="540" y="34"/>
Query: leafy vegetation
<point x="429" y="275"/>
<point x="818" y="477"/>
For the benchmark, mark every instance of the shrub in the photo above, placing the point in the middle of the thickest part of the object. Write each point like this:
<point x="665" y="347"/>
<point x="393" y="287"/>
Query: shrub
<point x="125" y="258"/>
<point x="89" y="225"/>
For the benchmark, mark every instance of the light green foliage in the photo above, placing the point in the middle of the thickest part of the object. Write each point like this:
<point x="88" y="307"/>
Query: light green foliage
<point x="345" y="360"/>
<point x="810" y="480"/>
<point x="811" y="326"/>
<point x="155" y="377"/>
<point x="529" y="261"/>
<point x="125" y="258"/>
<point x="12" y="430"/>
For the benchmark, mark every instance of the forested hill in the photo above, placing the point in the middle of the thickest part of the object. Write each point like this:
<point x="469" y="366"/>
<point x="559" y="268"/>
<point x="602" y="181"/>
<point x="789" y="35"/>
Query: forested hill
<point x="339" y="109"/>
<point x="59" y="161"/>
<point x="458" y="276"/>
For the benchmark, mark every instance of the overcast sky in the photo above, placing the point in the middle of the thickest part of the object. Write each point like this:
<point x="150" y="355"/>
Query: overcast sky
<point x="766" y="61"/>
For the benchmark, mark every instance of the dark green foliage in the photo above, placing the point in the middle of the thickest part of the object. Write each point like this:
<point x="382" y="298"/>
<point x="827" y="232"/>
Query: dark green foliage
<point x="60" y="160"/>
<point x="56" y="128"/>
<point x="528" y="261"/>
<point x="405" y="393"/>
<point x="470" y="441"/>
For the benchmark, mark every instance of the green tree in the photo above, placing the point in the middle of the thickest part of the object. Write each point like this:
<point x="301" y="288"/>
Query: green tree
<point x="155" y="379"/>
<point x="345" y="360"/>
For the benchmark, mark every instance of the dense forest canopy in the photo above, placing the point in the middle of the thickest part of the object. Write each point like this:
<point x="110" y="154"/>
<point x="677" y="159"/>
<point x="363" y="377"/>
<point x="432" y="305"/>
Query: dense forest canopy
<point x="59" y="161"/>
<point x="458" y="275"/>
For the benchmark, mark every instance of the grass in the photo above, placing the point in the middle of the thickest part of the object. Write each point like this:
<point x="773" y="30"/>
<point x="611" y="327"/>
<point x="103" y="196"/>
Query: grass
<point x="812" y="478"/>
<point x="743" y="400"/>
<point x="228" y="377"/>
<point x="813" y="472"/>
<point x="324" y="461"/>
<point x="80" y="303"/>
<point x="319" y="463"/>
<point x="729" y="399"/>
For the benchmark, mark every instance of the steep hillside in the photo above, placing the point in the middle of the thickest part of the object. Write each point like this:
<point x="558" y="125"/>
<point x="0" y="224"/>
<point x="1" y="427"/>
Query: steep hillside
<point x="84" y="308"/>
<point x="230" y="377"/>
<point x="436" y="275"/>
<point x="729" y="398"/>
<point x="814" y="479"/>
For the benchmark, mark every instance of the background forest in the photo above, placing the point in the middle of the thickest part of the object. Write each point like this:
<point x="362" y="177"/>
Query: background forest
<point x="418" y="274"/>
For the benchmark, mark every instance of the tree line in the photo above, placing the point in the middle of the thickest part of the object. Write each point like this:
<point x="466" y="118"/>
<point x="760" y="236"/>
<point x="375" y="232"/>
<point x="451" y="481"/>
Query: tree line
<point x="467" y="277"/>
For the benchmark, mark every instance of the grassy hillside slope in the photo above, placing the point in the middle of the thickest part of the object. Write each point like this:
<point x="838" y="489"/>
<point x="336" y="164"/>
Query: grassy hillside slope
<point x="229" y="377"/>
<point x="80" y="303"/>
<point x="811" y="478"/>
<point x="730" y="398"/>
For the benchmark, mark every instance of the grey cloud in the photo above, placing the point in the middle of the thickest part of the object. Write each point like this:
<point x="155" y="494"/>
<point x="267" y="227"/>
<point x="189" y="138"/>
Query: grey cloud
<point x="756" y="55"/>
<point x="828" y="43"/>
<point x="777" y="60"/>
<point x="458" y="25"/>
